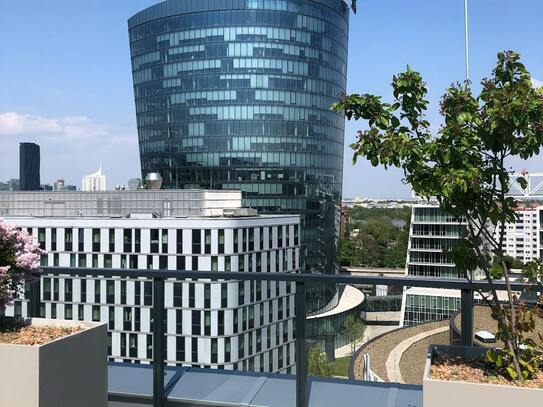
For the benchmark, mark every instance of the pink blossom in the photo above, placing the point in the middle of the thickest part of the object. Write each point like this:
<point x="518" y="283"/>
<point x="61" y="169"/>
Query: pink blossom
<point x="19" y="259"/>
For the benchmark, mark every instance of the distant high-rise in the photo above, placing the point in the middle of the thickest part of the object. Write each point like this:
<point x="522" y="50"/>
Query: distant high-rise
<point x="94" y="182"/>
<point x="236" y="95"/>
<point x="133" y="184"/>
<point x="59" y="185"/>
<point x="29" y="167"/>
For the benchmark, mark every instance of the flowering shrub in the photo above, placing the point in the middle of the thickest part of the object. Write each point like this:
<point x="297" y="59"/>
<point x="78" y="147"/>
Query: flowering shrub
<point x="19" y="258"/>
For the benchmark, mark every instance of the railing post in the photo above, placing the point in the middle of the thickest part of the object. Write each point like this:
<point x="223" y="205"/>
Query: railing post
<point x="301" y="352"/>
<point x="35" y="298"/>
<point x="158" y="342"/>
<point x="466" y="312"/>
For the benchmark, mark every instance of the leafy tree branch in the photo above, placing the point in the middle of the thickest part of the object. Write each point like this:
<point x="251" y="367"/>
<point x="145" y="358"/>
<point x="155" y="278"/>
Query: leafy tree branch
<point x="463" y="167"/>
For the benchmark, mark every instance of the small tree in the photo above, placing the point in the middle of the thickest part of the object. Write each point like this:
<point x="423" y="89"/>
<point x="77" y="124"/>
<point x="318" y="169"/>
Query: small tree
<point x="317" y="364"/>
<point x="354" y="331"/>
<point x="464" y="167"/>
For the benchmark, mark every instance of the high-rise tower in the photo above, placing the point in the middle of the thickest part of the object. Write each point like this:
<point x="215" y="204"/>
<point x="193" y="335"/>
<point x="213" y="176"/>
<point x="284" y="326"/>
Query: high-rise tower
<point x="29" y="167"/>
<point x="236" y="94"/>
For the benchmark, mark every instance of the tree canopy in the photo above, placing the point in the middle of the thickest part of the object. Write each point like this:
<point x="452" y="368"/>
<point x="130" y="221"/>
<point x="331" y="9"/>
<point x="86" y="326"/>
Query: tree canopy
<point x="464" y="167"/>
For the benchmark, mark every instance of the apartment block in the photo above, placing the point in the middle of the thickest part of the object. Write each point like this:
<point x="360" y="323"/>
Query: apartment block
<point x="433" y="232"/>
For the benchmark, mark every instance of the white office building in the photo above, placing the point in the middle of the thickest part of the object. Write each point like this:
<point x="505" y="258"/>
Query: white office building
<point x="230" y="324"/>
<point x="94" y="182"/>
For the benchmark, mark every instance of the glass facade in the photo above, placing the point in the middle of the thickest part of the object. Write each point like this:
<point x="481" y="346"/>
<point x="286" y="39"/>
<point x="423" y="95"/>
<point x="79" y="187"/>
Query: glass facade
<point x="236" y="94"/>
<point x="420" y="308"/>
<point x="433" y="233"/>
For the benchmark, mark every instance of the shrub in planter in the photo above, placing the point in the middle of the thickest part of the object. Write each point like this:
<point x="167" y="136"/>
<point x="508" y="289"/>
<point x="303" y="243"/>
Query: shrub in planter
<point x="19" y="259"/>
<point x="464" y="167"/>
<point x="465" y="372"/>
<point x="63" y="363"/>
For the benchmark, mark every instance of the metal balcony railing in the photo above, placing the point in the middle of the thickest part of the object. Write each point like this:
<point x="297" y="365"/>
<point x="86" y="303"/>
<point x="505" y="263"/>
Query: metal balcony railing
<point x="301" y="279"/>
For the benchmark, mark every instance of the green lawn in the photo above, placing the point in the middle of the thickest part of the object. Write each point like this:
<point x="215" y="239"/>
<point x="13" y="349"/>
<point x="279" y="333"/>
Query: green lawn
<point x="341" y="366"/>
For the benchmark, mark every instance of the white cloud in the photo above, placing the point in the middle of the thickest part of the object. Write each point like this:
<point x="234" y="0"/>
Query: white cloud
<point x="12" y="124"/>
<point x="536" y="83"/>
<point x="71" y="147"/>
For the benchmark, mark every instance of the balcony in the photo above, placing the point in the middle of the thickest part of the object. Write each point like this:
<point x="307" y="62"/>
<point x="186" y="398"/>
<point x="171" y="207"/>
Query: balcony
<point x="159" y="384"/>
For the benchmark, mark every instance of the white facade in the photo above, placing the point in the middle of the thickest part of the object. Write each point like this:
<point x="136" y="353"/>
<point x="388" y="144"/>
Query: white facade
<point x="521" y="238"/>
<point x="219" y="324"/>
<point x="433" y="231"/>
<point x="94" y="182"/>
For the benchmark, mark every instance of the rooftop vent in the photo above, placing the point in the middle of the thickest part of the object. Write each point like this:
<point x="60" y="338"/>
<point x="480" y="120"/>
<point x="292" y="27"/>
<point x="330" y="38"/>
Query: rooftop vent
<point x="485" y="337"/>
<point x="153" y="180"/>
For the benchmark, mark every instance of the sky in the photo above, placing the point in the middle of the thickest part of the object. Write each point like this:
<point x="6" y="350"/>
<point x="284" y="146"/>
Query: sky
<point x="66" y="83"/>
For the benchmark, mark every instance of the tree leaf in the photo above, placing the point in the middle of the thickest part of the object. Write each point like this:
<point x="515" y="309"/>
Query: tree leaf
<point x="522" y="182"/>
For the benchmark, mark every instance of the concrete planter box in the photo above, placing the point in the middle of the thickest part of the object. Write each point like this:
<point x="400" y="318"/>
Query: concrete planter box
<point x="441" y="393"/>
<point x="70" y="371"/>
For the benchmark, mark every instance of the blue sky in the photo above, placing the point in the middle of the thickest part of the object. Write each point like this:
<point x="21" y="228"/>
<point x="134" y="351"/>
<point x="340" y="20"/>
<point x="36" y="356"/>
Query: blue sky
<point x="65" y="79"/>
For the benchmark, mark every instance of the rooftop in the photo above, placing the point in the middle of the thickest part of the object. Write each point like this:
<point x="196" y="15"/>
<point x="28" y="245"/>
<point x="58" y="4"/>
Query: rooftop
<point x="158" y="202"/>
<point x="399" y="355"/>
<point x="132" y="384"/>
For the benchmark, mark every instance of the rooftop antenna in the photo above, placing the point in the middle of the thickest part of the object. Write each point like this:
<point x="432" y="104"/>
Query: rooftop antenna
<point x="466" y="39"/>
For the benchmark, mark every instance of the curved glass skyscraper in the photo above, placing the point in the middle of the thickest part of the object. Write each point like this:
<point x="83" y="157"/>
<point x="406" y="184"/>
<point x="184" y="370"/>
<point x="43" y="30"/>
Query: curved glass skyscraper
<point x="236" y="94"/>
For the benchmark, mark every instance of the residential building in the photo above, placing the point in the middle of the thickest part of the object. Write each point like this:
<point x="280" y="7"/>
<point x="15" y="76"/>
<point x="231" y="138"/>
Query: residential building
<point x="433" y="232"/>
<point x="60" y="185"/>
<point x="29" y="166"/>
<point x="218" y="324"/>
<point x="10" y="185"/>
<point x="236" y="95"/>
<point x="520" y="239"/>
<point x="94" y="182"/>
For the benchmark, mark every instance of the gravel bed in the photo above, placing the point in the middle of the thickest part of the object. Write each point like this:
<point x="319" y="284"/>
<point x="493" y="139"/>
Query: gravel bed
<point x="381" y="348"/>
<point x="35" y="335"/>
<point x="482" y="320"/>
<point x="413" y="360"/>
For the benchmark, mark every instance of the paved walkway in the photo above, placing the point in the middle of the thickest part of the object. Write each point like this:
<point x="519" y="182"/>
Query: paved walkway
<point x="393" y="361"/>
<point x="370" y="332"/>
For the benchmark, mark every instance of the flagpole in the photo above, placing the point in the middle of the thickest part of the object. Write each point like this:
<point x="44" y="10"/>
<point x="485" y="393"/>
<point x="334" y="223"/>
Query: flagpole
<point x="466" y="35"/>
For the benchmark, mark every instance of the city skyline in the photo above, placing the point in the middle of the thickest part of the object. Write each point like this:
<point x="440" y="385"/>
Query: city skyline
<point x="79" y="105"/>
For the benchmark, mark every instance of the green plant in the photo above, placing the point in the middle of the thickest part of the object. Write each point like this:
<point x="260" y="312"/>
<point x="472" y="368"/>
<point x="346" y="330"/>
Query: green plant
<point x="354" y="331"/>
<point x="317" y="364"/>
<point x="464" y="167"/>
